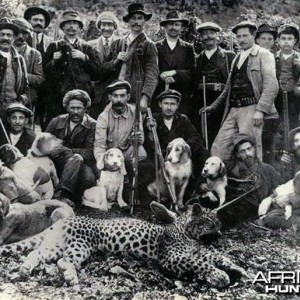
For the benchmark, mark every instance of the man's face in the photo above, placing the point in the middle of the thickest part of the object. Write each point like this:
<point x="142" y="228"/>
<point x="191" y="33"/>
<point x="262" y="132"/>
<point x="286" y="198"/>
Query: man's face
<point x="38" y="23"/>
<point x="76" y="110"/>
<point x="107" y="28"/>
<point x="244" y="38"/>
<point x="168" y="107"/>
<point x="174" y="29"/>
<point x="119" y="99"/>
<point x="287" y="42"/>
<point x="17" y="121"/>
<point x="71" y="28"/>
<point x="297" y="143"/>
<point x="209" y="38"/>
<point x="246" y="153"/>
<point x="265" y="40"/>
<point x="20" y="39"/>
<point x="137" y="22"/>
<point x="6" y="39"/>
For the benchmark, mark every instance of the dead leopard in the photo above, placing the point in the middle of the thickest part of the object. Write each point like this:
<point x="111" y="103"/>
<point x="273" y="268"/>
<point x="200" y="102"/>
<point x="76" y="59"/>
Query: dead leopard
<point x="70" y="242"/>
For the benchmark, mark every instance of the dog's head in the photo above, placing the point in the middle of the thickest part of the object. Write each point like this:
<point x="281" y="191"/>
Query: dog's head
<point x="9" y="154"/>
<point x="112" y="160"/>
<point x="178" y="151"/>
<point x="214" y="168"/>
<point x="44" y="143"/>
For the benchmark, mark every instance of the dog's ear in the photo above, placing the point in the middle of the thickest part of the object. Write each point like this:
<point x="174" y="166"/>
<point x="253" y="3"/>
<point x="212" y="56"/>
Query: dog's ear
<point x="168" y="151"/>
<point x="223" y="170"/>
<point x="196" y="210"/>
<point x="186" y="154"/>
<point x="101" y="162"/>
<point x="123" y="169"/>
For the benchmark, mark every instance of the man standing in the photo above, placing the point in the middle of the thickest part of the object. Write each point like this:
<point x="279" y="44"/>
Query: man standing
<point x="213" y="63"/>
<point x="265" y="36"/>
<point x="69" y="63"/>
<point x="14" y="85"/>
<point x="32" y="57"/>
<point x="134" y="57"/>
<point x="39" y="20"/>
<point x="106" y="23"/>
<point x="249" y="93"/>
<point x="74" y="160"/>
<point x="176" y="61"/>
<point x="19" y="134"/>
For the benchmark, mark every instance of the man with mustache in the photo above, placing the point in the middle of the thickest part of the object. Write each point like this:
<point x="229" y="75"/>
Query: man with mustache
<point x="39" y="19"/>
<point x="106" y="23"/>
<point x="74" y="159"/>
<point x="32" y="57"/>
<point x="69" y="63"/>
<point x="14" y="85"/>
<point x="214" y="63"/>
<point x="248" y="95"/>
<point x="134" y="57"/>
<point x="176" y="61"/>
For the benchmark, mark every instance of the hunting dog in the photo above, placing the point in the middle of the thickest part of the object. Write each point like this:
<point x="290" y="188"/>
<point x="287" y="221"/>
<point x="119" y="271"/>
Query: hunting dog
<point x="214" y="172"/>
<point x="178" y="170"/>
<point x="30" y="173"/>
<point x="39" y="153"/>
<point x="110" y="184"/>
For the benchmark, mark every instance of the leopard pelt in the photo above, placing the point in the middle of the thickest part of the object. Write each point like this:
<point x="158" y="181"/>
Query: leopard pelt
<point x="71" y="241"/>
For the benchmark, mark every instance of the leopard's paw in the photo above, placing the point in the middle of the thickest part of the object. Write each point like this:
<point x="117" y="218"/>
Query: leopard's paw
<point x="218" y="279"/>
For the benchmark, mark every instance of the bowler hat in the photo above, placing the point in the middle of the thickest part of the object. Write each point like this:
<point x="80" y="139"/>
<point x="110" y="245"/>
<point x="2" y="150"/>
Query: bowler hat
<point x="34" y="10"/>
<point x="134" y="8"/>
<point x="6" y="23"/>
<point x="173" y="16"/>
<point x="118" y="85"/>
<point x="243" y="24"/>
<point x="70" y="15"/>
<point x="169" y="94"/>
<point x="19" y="107"/>
<point x="209" y="26"/>
<point x="291" y="28"/>
<point x="24" y="26"/>
<point x="266" y="28"/>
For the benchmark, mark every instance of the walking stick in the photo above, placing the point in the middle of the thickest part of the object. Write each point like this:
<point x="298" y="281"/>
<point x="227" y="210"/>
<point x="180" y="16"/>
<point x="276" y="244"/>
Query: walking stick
<point x="4" y="131"/>
<point x="204" y="115"/>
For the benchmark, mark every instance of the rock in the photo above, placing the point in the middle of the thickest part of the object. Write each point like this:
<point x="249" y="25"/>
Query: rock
<point x="179" y="297"/>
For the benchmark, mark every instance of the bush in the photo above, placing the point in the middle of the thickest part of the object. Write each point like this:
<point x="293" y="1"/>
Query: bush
<point x="10" y="8"/>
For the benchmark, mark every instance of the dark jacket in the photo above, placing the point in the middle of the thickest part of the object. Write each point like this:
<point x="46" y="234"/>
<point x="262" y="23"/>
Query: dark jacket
<point x="182" y="60"/>
<point x="82" y="137"/>
<point x="141" y="66"/>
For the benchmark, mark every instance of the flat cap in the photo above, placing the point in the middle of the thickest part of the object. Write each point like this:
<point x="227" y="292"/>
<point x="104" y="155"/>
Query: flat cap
<point x="169" y="94"/>
<point x="243" y="24"/>
<point x="266" y="28"/>
<point x="291" y="28"/>
<point x="19" y="107"/>
<point x="209" y="26"/>
<point x="118" y="85"/>
<point x="24" y="25"/>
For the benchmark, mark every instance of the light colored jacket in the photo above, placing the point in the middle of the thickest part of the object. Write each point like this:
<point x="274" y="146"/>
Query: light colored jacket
<point x="261" y="72"/>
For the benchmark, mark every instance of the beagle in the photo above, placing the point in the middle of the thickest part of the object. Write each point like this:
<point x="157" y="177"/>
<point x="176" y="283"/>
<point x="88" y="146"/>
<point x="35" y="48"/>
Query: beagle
<point x="110" y="184"/>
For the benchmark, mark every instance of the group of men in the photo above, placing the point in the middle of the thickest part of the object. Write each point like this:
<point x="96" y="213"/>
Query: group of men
<point x="67" y="84"/>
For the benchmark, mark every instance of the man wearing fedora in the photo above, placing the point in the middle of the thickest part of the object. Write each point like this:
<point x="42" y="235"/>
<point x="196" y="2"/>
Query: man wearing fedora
<point x="213" y="63"/>
<point x="14" y="85"/>
<point x="265" y="36"/>
<point x="69" y="63"/>
<point x="134" y="57"/>
<point x="106" y="23"/>
<point x="32" y="57"/>
<point x="39" y="19"/>
<point x="176" y="61"/>
<point x="249" y="93"/>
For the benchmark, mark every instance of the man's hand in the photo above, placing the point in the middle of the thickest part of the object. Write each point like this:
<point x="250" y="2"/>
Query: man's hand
<point x="78" y="54"/>
<point x="138" y="136"/>
<point x="122" y="56"/>
<point x="208" y="110"/>
<point x="285" y="158"/>
<point x="151" y="123"/>
<point x="166" y="74"/>
<point x="57" y="55"/>
<point x="169" y="80"/>
<point x="144" y="103"/>
<point x="56" y="151"/>
<point x="258" y="118"/>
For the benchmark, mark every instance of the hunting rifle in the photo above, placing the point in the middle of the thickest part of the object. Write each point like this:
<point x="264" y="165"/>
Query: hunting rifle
<point x="286" y="121"/>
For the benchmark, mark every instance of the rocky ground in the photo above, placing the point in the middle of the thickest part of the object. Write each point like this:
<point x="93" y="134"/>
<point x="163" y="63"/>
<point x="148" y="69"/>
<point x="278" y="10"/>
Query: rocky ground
<point x="125" y="277"/>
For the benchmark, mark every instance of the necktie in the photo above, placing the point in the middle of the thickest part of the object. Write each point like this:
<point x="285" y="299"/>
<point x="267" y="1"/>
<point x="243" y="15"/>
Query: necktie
<point x="106" y="46"/>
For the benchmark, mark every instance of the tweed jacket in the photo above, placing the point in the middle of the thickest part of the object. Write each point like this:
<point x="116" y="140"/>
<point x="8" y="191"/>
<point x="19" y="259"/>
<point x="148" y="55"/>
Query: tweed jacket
<point x="262" y="74"/>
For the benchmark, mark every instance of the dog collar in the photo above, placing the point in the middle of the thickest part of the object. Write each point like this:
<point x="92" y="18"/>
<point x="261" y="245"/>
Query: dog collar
<point x="106" y="169"/>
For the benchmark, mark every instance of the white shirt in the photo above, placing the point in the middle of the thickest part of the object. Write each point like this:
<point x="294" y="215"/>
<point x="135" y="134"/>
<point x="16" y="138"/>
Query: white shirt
<point x="286" y="56"/>
<point x="168" y="123"/>
<point x="39" y="37"/>
<point x="15" y="138"/>
<point x="210" y="53"/>
<point x="7" y="55"/>
<point x="243" y="57"/>
<point x="172" y="44"/>
<point x="104" y="39"/>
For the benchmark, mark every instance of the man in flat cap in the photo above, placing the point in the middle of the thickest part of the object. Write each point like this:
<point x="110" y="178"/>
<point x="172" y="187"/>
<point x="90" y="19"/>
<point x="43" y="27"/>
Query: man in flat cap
<point x="39" y="19"/>
<point x="176" y="61"/>
<point x="69" y="63"/>
<point x="265" y="36"/>
<point x="18" y="133"/>
<point x="249" y="93"/>
<point x="14" y="85"/>
<point x="106" y="23"/>
<point x="134" y="57"/>
<point x="213" y="63"/>
<point x="32" y="57"/>
<point x="74" y="159"/>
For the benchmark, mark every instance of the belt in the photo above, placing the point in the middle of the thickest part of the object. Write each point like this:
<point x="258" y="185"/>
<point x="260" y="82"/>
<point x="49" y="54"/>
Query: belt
<point x="217" y="87"/>
<point x="242" y="102"/>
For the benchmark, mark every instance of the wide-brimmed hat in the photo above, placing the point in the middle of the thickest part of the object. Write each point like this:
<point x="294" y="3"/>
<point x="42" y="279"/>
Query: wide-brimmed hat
<point x="24" y="25"/>
<point x="6" y="23"/>
<point x="19" y="107"/>
<point x="34" y="10"/>
<point x="266" y="28"/>
<point x="243" y="24"/>
<point x="209" y="26"/>
<point x="169" y="94"/>
<point x="134" y="8"/>
<point x="107" y="16"/>
<point x="174" y="16"/>
<point x="290" y="27"/>
<point x="70" y="15"/>
<point x="118" y="85"/>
